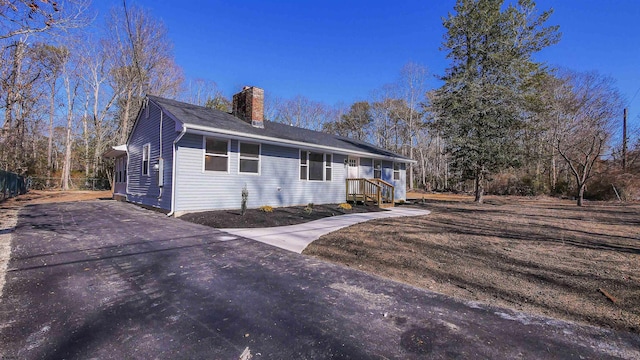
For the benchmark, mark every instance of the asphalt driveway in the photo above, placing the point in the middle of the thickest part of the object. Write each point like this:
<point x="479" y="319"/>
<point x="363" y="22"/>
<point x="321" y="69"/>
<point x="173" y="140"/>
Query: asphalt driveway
<point x="108" y="280"/>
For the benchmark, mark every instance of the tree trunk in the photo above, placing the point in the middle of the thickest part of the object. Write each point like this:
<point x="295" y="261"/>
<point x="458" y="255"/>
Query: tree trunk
<point x="411" y="173"/>
<point x="71" y="95"/>
<point x="124" y="130"/>
<point x="581" y="194"/>
<point x="479" y="187"/>
<point x="52" y="110"/>
<point x="554" y="172"/>
<point x="85" y="138"/>
<point x="66" y="169"/>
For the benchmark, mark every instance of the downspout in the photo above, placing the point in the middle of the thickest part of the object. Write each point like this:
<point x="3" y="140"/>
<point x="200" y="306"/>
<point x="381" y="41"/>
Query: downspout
<point x="160" y="162"/>
<point x="126" y="188"/>
<point x="173" y="170"/>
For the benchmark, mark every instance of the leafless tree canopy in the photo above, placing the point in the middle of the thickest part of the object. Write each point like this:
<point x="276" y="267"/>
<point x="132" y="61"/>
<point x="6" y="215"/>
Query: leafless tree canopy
<point x="69" y="90"/>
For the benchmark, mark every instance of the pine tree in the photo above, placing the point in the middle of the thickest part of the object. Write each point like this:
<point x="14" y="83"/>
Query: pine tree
<point x="480" y="108"/>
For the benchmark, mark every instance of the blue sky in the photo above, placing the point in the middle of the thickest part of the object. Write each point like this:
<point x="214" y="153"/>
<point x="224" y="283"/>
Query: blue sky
<point x="340" y="51"/>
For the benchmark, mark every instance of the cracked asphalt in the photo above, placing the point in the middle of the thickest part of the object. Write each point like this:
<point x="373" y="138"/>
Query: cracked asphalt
<point x="109" y="280"/>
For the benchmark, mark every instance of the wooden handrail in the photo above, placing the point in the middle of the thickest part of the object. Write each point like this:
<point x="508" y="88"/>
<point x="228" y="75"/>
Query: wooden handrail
<point x="388" y="190"/>
<point x="375" y="190"/>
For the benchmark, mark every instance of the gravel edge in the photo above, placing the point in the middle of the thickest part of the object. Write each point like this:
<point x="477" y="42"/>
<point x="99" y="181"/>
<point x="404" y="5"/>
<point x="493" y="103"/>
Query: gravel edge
<point x="6" y="234"/>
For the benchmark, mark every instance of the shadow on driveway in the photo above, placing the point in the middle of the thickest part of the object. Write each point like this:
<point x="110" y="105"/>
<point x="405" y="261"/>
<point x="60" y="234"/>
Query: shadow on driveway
<point x="109" y="280"/>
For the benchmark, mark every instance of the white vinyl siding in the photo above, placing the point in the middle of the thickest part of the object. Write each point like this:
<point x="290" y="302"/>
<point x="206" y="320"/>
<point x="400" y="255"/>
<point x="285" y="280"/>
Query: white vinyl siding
<point x="216" y="154"/>
<point x="277" y="185"/>
<point x="249" y="158"/>
<point x="140" y="177"/>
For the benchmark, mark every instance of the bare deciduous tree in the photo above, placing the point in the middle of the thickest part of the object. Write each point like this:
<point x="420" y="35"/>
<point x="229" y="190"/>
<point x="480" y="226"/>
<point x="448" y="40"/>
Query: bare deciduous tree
<point x="142" y="62"/>
<point x="301" y="112"/>
<point x="25" y="17"/>
<point x="412" y="83"/>
<point x="71" y="84"/>
<point x="52" y="58"/>
<point x="584" y="111"/>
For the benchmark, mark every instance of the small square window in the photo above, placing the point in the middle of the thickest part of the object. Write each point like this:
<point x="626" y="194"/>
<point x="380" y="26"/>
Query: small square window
<point x="396" y="171"/>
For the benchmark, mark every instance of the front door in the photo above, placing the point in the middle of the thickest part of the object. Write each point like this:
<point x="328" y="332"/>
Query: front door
<point x="352" y="172"/>
<point x="120" y="176"/>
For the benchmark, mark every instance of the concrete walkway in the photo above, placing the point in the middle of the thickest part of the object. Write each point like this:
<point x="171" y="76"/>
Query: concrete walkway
<point x="297" y="237"/>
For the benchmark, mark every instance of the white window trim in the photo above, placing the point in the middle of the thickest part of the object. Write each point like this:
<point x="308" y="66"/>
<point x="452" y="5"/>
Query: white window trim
<point x="300" y="164"/>
<point x="324" y="166"/>
<point x="393" y="174"/>
<point x="250" y="158"/>
<point x="328" y="165"/>
<point x="381" y="168"/>
<point x="146" y="146"/>
<point x="204" y="155"/>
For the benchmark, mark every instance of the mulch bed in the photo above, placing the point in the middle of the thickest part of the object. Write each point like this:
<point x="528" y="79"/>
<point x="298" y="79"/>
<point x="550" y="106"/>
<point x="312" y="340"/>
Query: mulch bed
<point x="255" y="218"/>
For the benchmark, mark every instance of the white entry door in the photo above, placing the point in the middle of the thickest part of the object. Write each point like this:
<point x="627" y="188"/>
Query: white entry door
<point x="353" y="167"/>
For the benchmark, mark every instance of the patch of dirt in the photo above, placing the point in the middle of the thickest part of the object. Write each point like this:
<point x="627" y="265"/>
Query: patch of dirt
<point x="282" y="216"/>
<point x="543" y="256"/>
<point x="417" y="195"/>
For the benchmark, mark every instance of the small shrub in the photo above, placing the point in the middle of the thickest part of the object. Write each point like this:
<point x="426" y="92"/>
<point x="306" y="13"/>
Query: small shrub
<point x="266" y="208"/>
<point x="401" y="201"/>
<point x="309" y="209"/>
<point x="245" y="198"/>
<point x="344" y="206"/>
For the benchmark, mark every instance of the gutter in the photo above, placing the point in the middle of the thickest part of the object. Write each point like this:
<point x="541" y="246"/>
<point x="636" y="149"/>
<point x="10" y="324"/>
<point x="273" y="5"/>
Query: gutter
<point x="203" y="130"/>
<point x="173" y="170"/>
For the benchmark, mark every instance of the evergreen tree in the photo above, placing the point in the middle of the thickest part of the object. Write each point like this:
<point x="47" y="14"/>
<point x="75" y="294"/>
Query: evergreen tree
<point x="480" y="108"/>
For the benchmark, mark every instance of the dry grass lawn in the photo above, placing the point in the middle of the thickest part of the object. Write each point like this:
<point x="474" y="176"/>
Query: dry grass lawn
<point x="543" y="256"/>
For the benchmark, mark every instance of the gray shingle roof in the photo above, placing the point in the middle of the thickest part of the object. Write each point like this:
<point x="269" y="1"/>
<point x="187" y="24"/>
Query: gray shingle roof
<point x="190" y="114"/>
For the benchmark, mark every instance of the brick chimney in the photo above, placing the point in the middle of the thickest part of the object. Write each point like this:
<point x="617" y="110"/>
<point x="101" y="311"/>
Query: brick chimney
<point x="248" y="105"/>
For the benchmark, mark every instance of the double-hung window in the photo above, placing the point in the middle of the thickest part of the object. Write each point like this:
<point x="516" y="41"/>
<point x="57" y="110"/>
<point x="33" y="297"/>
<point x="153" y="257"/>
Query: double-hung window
<point x="315" y="166"/>
<point x="216" y="155"/>
<point x="396" y="171"/>
<point x="249" y="158"/>
<point x="377" y="169"/>
<point x="146" y="152"/>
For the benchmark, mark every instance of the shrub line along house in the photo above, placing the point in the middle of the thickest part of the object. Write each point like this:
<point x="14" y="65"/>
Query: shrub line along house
<point x="183" y="158"/>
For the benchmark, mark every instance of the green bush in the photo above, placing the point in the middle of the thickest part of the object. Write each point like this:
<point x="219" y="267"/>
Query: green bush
<point x="245" y="198"/>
